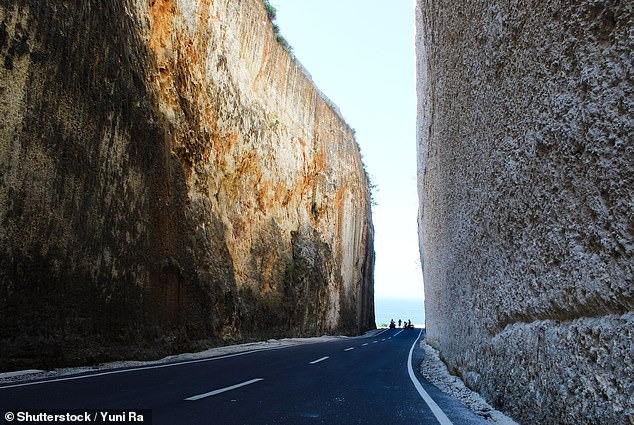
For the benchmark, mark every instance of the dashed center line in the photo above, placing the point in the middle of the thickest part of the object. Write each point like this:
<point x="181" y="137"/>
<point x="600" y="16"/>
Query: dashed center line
<point x="348" y="349"/>
<point x="318" y="360"/>
<point x="363" y="345"/>
<point x="222" y="390"/>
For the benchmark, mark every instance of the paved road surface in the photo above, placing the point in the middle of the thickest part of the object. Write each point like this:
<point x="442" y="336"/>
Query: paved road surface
<point x="361" y="380"/>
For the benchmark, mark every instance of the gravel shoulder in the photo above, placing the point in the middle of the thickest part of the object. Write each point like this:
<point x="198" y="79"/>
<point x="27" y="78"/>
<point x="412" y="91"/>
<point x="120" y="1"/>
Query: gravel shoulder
<point x="436" y="372"/>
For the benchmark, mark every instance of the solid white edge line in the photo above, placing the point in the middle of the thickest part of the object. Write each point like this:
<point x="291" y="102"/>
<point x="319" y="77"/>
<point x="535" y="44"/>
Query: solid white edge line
<point x="223" y="390"/>
<point x="435" y="409"/>
<point x="319" y="360"/>
<point x="136" y="369"/>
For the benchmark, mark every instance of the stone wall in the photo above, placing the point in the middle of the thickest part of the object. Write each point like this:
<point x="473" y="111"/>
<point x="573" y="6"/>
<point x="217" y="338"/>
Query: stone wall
<point x="526" y="183"/>
<point x="171" y="178"/>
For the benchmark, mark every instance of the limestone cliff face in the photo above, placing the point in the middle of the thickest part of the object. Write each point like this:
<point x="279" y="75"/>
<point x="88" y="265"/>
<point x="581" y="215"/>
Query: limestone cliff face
<point x="526" y="182"/>
<point x="170" y="178"/>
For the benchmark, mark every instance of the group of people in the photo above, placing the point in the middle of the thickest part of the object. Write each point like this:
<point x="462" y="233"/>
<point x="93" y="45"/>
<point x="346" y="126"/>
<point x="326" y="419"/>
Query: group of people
<point x="406" y="325"/>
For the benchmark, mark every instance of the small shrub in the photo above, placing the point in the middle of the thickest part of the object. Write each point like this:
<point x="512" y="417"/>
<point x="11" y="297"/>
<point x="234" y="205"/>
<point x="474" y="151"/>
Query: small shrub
<point x="284" y="43"/>
<point x="271" y="11"/>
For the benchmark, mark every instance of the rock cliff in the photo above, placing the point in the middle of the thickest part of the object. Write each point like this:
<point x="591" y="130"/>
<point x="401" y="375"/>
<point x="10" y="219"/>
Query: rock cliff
<point x="171" y="178"/>
<point x="526" y="183"/>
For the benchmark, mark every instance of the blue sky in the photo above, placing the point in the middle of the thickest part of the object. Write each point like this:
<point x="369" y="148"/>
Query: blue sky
<point x="360" y="54"/>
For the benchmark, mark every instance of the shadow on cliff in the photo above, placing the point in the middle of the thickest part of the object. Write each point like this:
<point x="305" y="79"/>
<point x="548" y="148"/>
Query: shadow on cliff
<point x="94" y="260"/>
<point x="100" y="244"/>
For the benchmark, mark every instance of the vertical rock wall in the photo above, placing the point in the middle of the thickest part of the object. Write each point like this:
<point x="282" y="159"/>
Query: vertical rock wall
<point x="526" y="182"/>
<point x="171" y="178"/>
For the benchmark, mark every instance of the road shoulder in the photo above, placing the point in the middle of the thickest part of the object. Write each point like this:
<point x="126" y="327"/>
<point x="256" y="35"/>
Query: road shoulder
<point x="435" y="371"/>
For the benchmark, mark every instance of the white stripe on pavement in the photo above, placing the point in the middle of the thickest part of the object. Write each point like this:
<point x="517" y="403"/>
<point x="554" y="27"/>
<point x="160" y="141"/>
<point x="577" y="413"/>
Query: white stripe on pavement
<point x="319" y="360"/>
<point x="348" y="349"/>
<point x="435" y="409"/>
<point x="136" y="369"/>
<point x="223" y="390"/>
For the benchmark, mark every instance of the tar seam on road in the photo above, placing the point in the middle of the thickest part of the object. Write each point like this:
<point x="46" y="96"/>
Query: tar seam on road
<point x="435" y="409"/>
<point x="223" y="390"/>
<point x="318" y="360"/>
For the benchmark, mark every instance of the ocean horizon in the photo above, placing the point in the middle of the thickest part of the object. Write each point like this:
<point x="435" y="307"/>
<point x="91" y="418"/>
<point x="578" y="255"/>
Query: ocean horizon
<point x="405" y="309"/>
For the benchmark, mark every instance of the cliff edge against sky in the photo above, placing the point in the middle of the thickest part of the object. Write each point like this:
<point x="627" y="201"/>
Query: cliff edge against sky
<point x="171" y="179"/>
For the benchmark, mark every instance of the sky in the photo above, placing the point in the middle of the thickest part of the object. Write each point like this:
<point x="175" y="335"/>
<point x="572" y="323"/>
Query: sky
<point x="360" y="54"/>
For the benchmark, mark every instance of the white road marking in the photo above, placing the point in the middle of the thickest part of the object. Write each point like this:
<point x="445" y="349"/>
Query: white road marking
<point x="383" y="339"/>
<point x="363" y="345"/>
<point x="374" y="342"/>
<point x="436" y="410"/>
<point x="348" y="349"/>
<point x="136" y="369"/>
<point x="399" y="332"/>
<point x="319" y="360"/>
<point x="223" y="390"/>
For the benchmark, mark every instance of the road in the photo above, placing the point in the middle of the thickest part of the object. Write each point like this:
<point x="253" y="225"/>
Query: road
<point x="360" y="380"/>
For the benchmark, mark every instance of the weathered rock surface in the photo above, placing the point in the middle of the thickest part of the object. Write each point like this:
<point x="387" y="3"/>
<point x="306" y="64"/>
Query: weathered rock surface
<point x="171" y="178"/>
<point x="526" y="182"/>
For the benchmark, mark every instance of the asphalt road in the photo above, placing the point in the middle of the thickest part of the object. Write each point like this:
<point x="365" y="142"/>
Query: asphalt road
<point x="361" y="380"/>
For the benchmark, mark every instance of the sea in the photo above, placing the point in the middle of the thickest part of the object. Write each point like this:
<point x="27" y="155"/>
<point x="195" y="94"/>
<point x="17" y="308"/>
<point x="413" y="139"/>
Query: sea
<point x="396" y="308"/>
